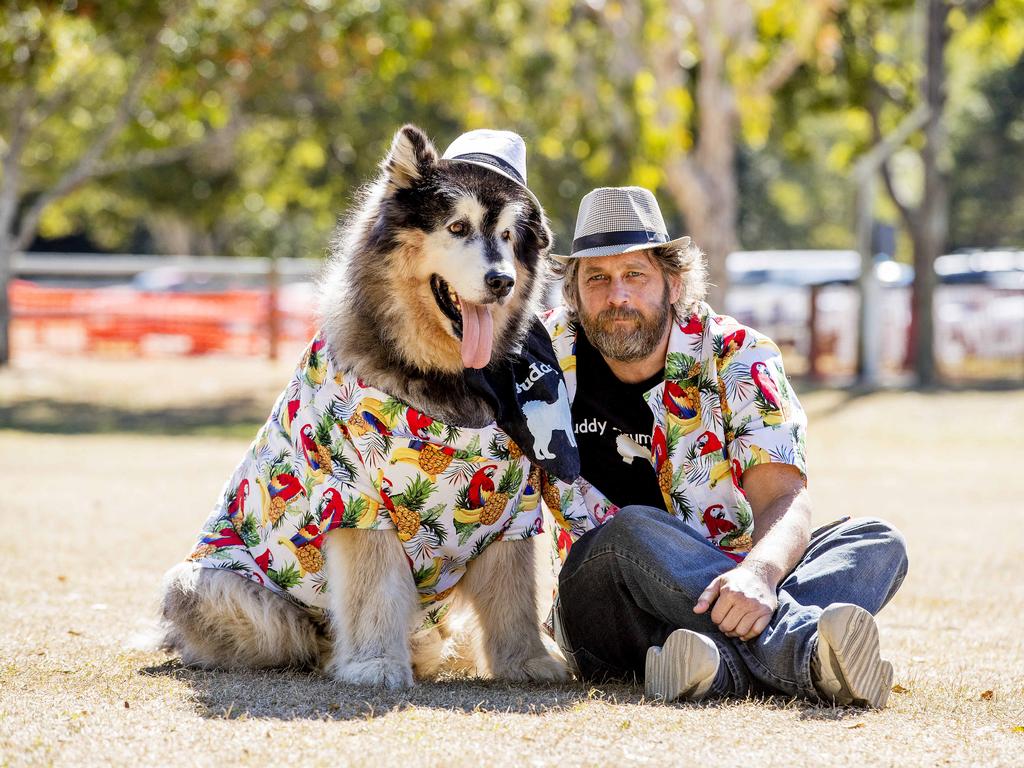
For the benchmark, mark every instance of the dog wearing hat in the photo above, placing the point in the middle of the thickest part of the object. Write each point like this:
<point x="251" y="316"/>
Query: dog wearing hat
<point x="381" y="490"/>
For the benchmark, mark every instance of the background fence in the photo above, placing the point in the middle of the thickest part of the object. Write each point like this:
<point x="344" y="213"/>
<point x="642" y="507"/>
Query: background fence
<point x="152" y="306"/>
<point x="140" y="305"/>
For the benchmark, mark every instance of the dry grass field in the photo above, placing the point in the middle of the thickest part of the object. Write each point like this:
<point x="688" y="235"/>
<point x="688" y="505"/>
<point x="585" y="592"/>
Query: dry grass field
<point x="109" y="467"/>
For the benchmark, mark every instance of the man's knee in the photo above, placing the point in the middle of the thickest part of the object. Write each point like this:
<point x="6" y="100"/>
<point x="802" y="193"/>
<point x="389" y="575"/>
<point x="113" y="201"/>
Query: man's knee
<point x="883" y="536"/>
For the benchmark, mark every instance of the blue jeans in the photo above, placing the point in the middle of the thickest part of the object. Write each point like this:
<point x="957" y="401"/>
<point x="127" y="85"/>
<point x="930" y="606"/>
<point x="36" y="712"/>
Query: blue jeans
<point x="628" y="584"/>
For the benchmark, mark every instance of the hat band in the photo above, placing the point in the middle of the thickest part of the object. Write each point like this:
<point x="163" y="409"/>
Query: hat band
<point x="628" y="237"/>
<point x="483" y="157"/>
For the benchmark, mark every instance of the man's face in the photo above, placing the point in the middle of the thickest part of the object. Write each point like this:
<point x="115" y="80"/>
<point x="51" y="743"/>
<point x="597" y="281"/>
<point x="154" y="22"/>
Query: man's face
<point x="625" y="304"/>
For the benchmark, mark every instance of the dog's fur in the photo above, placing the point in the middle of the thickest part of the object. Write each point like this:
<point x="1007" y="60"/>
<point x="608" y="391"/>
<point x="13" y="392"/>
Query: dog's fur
<point x="383" y="324"/>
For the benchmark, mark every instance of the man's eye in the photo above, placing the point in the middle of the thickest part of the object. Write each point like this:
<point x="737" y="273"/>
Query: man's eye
<point x="595" y="278"/>
<point x="457" y="228"/>
<point x="634" y="274"/>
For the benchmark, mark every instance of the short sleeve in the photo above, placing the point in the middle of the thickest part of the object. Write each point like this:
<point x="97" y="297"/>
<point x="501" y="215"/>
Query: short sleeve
<point x="763" y="419"/>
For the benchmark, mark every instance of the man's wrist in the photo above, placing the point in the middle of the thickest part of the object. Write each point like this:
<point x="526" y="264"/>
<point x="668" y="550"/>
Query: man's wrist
<point x="768" y="572"/>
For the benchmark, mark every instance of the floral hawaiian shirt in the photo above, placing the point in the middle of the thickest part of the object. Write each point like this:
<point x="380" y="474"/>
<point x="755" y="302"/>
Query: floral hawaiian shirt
<point x="336" y="453"/>
<point x="725" y="405"/>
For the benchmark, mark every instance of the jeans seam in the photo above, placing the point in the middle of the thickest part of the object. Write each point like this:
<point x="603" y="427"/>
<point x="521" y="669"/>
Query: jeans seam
<point x="804" y="656"/>
<point x="735" y="674"/>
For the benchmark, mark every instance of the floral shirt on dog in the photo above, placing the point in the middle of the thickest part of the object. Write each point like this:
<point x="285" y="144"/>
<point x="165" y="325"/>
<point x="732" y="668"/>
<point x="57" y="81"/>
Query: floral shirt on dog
<point x="725" y="405"/>
<point x="336" y="453"/>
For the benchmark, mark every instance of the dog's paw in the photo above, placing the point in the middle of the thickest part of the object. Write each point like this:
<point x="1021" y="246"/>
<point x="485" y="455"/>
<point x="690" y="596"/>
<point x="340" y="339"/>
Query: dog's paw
<point x="378" y="672"/>
<point x="539" y="669"/>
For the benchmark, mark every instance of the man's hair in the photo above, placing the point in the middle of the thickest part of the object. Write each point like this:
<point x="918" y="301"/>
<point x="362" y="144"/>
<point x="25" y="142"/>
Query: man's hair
<point x="686" y="263"/>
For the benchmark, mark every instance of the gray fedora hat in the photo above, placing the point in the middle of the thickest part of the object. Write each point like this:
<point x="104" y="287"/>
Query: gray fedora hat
<point x="619" y="220"/>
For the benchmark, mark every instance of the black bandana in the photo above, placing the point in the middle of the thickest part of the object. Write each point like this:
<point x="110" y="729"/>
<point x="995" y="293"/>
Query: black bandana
<point x="528" y="395"/>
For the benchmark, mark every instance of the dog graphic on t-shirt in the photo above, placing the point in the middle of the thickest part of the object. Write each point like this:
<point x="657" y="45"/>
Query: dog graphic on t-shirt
<point x="542" y="419"/>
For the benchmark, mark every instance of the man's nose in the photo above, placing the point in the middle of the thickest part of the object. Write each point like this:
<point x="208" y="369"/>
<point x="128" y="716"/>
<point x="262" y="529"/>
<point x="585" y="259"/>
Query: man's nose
<point x="617" y="294"/>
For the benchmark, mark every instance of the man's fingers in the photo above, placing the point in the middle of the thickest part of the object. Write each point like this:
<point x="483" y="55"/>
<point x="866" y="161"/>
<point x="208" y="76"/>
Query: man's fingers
<point x="707" y="597"/>
<point x="745" y="624"/>
<point x="759" y="627"/>
<point x="730" y="620"/>
<point x="722" y="607"/>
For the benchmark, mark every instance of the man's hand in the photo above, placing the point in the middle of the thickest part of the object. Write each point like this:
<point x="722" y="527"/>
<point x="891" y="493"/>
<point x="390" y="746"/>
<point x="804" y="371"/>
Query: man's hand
<point x="744" y="603"/>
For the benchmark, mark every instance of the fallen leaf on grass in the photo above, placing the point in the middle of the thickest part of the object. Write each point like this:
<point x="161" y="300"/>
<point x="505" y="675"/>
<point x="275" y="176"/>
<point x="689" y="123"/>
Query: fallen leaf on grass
<point x="986" y="695"/>
<point x="900" y="689"/>
<point x="1017" y="729"/>
<point x="126" y="705"/>
<point x="74" y="632"/>
<point x="856" y="725"/>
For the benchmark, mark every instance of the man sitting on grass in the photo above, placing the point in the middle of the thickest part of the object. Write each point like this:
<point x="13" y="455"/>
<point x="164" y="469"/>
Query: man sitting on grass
<point x="694" y="566"/>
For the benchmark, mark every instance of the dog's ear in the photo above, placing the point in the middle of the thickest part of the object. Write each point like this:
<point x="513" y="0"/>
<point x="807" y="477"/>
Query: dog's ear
<point x="410" y="158"/>
<point x="535" y="236"/>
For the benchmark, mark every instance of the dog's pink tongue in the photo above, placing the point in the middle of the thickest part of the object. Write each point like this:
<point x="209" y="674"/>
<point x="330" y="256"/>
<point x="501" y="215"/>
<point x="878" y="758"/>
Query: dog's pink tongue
<point x="477" y="334"/>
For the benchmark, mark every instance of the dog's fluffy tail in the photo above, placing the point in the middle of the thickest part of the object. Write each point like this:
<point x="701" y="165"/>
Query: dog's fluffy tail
<point x="149" y="636"/>
<point x="215" y="618"/>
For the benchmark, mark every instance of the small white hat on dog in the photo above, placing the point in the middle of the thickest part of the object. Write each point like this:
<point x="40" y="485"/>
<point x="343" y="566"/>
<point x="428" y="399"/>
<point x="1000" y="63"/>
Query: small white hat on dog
<point x="503" y="152"/>
<point x="619" y="220"/>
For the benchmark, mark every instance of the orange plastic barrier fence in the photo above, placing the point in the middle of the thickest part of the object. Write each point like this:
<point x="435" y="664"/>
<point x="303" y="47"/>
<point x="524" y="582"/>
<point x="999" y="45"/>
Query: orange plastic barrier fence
<point x="128" y="321"/>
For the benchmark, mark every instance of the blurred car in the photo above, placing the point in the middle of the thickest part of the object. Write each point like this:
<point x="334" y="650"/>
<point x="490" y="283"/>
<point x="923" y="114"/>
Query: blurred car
<point x="979" y="304"/>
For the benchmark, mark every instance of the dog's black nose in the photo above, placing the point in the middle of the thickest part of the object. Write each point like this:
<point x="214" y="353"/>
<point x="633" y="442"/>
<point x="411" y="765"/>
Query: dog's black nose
<point x="500" y="283"/>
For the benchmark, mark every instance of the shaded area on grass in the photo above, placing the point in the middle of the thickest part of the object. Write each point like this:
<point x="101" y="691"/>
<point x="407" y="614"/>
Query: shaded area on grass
<point x="234" y="417"/>
<point x="290" y="695"/>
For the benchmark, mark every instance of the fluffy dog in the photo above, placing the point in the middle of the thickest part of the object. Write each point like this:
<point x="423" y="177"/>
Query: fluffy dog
<point x="380" y="487"/>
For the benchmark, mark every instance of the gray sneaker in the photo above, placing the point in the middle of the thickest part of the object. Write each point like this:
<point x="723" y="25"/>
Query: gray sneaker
<point x="683" y="668"/>
<point x="848" y="668"/>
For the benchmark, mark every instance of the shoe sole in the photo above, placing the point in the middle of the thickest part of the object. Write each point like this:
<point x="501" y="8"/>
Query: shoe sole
<point x="678" y="668"/>
<point x="852" y="638"/>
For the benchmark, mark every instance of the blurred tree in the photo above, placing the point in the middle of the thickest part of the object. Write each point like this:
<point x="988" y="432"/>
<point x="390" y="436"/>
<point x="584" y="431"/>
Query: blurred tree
<point x="94" y="90"/>
<point x="924" y="208"/>
<point x="986" y="198"/>
<point x="704" y="76"/>
<point x="903" y="69"/>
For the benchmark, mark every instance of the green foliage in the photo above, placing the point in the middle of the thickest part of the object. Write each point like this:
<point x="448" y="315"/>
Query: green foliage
<point x="313" y="92"/>
<point x="987" y="207"/>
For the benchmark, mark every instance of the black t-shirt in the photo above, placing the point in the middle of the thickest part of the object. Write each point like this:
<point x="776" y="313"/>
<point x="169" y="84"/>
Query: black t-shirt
<point x="613" y="426"/>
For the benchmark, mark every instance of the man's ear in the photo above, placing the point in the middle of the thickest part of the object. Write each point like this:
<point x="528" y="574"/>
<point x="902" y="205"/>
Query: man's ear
<point x="675" y="289"/>
<point x="410" y="158"/>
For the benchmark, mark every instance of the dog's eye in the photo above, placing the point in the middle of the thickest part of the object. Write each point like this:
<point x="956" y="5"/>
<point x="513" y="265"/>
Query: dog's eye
<point x="506" y="235"/>
<point x="457" y="228"/>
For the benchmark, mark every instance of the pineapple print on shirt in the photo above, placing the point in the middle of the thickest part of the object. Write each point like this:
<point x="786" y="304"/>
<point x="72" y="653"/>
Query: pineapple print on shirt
<point x="335" y="453"/>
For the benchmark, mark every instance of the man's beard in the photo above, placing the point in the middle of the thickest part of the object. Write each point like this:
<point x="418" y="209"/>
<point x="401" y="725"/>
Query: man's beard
<point x="626" y="343"/>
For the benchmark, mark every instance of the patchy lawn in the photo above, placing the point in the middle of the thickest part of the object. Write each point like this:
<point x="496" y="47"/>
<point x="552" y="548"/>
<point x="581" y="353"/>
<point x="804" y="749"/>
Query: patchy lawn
<point x="111" y="467"/>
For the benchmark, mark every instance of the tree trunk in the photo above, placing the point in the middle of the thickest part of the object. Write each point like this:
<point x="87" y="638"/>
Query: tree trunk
<point x="8" y="205"/>
<point x="6" y="257"/>
<point x="711" y="213"/>
<point x="931" y="224"/>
